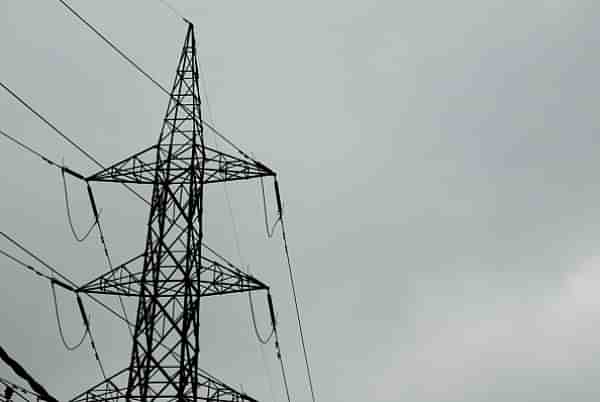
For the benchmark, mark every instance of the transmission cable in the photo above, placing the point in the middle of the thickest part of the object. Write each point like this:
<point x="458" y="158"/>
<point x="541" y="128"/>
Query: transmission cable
<point x="53" y="163"/>
<point x="105" y="247"/>
<point x="278" y="346"/>
<point x="28" y="148"/>
<point x="129" y="188"/>
<point x="53" y="281"/>
<point x="84" y="152"/>
<point x="21" y="372"/>
<point x="26" y="266"/>
<point x="262" y="340"/>
<point x="18" y="390"/>
<point x="149" y="77"/>
<point x="52" y="126"/>
<point x="173" y="9"/>
<point x="64" y="136"/>
<point x="293" y="285"/>
<point x="65" y="190"/>
<point x="86" y="321"/>
<point x="71" y="286"/>
<point x="54" y="271"/>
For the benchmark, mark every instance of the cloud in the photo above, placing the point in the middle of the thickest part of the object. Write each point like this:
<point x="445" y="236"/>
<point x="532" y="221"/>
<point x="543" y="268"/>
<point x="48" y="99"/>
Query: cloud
<point x="536" y="343"/>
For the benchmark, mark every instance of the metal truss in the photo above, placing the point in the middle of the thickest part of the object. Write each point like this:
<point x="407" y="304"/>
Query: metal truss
<point x="218" y="166"/>
<point x="172" y="274"/>
<point x="214" y="278"/>
<point x="11" y="392"/>
<point x="209" y="389"/>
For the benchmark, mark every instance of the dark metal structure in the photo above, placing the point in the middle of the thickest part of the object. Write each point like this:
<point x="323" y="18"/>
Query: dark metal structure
<point x="171" y="275"/>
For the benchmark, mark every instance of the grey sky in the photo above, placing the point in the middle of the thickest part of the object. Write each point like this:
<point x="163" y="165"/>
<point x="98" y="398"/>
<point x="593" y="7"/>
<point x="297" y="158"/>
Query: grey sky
<point x="438" y="163"/>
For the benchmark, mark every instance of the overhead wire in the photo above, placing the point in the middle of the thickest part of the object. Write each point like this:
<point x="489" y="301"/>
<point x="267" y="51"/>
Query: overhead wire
<point x="69" y="216"/>
<point x="21" y="372"/>
<point x="18" y="389"/>
<point x="85" y="153"/>
<point x="106" y="253"/>
<point x="28" y="148"/>
<point x="135" y="65"/>
<point x="49" y="124"/>
<point x="173" y="9"/>
<point x="62" y="135"/>
<point x="71" y="286"/>
<point x="26" y="266"/>
<point x="35" y="257"/>
<point x="261" y="340"/>
<point x="214" y="130"/>
<point x="91" y="337"/>
<point x="293" y="286"/>
<point x="53" y="163"/>
<point x="88" y="155"/>
<point x="278" y="346"/>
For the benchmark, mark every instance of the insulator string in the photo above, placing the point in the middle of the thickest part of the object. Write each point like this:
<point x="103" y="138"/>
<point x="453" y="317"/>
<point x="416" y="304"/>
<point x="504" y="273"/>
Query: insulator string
<point x="59" y="324"/>
<point x="69" y="216"/>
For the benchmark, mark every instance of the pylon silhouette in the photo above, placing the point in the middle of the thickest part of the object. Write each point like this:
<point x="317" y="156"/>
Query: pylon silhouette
<point x="172" y="273"/>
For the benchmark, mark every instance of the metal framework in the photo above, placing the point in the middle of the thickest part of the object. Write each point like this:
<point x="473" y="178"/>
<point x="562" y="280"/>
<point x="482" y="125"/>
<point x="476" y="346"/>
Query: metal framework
<point x="171" y="275"/>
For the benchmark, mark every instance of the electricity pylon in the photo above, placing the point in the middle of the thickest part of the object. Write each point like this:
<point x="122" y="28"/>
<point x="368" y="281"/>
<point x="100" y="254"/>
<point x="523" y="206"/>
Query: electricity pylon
<point x="174" y="273"/>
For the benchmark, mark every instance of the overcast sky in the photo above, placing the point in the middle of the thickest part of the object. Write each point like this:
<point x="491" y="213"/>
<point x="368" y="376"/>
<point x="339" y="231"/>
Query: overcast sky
<point x="438" y="163"/>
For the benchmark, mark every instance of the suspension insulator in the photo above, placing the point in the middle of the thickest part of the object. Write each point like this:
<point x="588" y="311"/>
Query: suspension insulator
<point x="93" y="202"/>
<point x="271" y="310"/>
<point x="278" y="196"/>
<point x="82" y="311"/>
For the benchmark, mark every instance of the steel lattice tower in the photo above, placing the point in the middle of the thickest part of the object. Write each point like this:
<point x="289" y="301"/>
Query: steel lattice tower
<point x="174" y="274"/>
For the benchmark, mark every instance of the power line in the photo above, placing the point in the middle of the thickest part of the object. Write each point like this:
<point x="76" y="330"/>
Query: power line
<point x="293" y="285"/>
<point x="278" y="347"/>
<point x="28" y="148"/>
<point x="87" y="154"/>
<point x="21" y="372"/>
<point x="49" y="124"/>
<point x="71" y="285"/>
<point x="20" y="389"/>
<point x="173" y="9"/>
<point x="64" y="136"/>
<point x="92" y="342"/>
<point x="96" y="214"/>
<point x="105" y="247"/>
<point x="26" y="266"/>
<point x="262" y="340"/>
<point x="32" y="255"/>
<point x="135" y="65"/>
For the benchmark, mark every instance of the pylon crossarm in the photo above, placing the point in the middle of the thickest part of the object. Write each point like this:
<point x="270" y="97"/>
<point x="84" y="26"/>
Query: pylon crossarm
<point x="141" y="167"/>
<point x="214" y="279"/>
<point x="209" y="389"/>
<point x="121" y="278"/>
